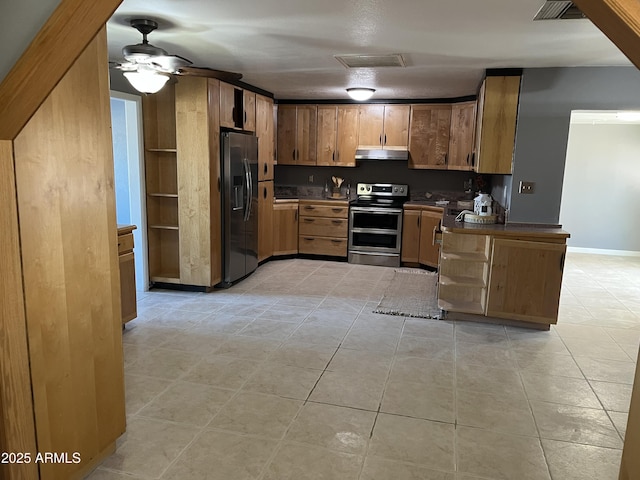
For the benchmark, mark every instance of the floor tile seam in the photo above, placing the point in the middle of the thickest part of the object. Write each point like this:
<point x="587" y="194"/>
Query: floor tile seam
<point x="155" y="397"/>
<point x="422" y="465"/>
<point x="122" y="472"/>
<point x="322" y="374"/>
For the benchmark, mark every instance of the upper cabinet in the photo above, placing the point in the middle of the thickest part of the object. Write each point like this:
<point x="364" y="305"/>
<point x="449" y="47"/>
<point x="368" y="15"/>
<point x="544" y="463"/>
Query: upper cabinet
<point x="384" y="126"/>
<point x="297" y="130"/>
<point x="429" y="136"/>
<point x="264" y="132"/>
<point x="496" y="124"/>
<point x="337" y="135"/>
<point x="463" y="123"/>
<point x="237" y="108"/>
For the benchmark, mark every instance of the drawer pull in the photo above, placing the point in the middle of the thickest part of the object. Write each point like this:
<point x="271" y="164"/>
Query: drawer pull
<point x="310" y="239"/>
<point x="336" y="222"/>
<point x="333" y="240"/>
<point x="337" y="210"/>
<point x="310" y="220"/>
<point x="309" y="207"/>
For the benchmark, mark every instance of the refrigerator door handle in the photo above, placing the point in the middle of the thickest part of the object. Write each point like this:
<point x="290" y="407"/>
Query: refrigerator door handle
<point x="247" y="176"/>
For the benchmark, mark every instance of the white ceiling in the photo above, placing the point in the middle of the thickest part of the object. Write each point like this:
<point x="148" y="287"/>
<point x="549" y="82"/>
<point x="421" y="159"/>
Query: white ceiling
<point x="287" y="47"/>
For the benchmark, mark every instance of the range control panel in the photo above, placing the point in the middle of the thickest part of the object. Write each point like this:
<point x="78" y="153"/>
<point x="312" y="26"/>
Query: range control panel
<point x="383" y="189"/>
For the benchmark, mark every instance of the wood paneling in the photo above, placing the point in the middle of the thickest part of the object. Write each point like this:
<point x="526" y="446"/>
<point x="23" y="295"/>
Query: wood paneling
<point x="463" y="122"/>
<point x="396" y="126"/>
<point x="249" y="106"/>
<point x="285" y="228"/>
<point x="306" y="134"/>
<point x="194" y="188"/>
<point x="286" y="134"/>
<point x="327" y="132"/>
<point x="619" y="20"/>
<point x="17" y="431"/>
<point x="266" y="135"/>
<point x="46" y="60"/>
<point x="66" y="207"/>
<point x="371" y="126"/>
<point x="227" y="105"/>
<point x="215" y="200"/>
<point x="347" y="141"/>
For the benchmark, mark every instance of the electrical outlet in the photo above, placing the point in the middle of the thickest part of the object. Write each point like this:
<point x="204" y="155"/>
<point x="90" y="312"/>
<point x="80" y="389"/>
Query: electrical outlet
<point x="310" y="178"/>
<point x="526" y="187"/>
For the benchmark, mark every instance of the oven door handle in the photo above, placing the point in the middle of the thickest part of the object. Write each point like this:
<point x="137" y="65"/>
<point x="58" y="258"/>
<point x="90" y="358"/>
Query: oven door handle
<point x="376" y="210"/>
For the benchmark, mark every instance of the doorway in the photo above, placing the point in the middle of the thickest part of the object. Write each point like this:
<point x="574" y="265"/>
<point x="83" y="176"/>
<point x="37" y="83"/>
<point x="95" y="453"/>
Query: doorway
<point x="126" y="125"/>
<point x="602" y="183"/>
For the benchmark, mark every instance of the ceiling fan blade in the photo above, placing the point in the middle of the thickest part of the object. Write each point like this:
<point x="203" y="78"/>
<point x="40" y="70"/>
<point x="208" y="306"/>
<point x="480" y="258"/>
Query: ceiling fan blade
<point x="169" y="63"/>
<point x="210" y="72"/>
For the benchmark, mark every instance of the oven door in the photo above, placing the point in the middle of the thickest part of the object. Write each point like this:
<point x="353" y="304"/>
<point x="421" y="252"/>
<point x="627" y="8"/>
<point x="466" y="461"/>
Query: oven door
<point x="374" y="229"/>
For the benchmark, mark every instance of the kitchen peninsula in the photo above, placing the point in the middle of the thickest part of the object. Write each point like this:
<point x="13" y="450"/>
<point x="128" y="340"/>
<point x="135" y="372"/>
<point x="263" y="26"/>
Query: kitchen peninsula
<point x="498" y="273"/>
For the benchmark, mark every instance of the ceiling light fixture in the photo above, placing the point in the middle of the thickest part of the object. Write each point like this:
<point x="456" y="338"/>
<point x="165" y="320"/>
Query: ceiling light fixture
<point x="360" y="94"/>
<point x="145" y="81"/>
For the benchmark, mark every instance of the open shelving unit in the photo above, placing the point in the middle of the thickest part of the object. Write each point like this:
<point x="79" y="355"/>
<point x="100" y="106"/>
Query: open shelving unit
<point x="464" y="273"/>
<point x="161" y="168"/>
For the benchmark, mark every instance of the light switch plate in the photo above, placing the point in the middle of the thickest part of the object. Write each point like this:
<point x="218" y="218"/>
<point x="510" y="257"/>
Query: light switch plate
<point x="526" y="187"/>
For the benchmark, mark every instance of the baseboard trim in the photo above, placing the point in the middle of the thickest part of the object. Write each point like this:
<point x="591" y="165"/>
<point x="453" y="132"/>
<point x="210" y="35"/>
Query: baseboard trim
<point x="602" y="251"/>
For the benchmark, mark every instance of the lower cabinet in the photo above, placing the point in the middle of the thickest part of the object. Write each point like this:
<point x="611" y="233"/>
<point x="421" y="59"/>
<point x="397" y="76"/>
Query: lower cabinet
<point x="265" y="219"/>
<point x="497" y="276"/>
<point x="127" y="274"/>
<point x="420" y="225"/>
<point x="285" y="228"/>
<point x="324" y="227"/>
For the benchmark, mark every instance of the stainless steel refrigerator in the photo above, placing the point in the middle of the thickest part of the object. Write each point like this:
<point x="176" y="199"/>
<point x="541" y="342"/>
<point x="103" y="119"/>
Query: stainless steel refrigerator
<point x="239" y="206"/>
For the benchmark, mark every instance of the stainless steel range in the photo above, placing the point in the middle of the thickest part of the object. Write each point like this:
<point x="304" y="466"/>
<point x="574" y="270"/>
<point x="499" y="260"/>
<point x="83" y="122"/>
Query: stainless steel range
<point x="375" y="224"/>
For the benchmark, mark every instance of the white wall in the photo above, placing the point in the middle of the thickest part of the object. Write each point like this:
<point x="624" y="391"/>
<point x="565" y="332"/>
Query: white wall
<point x="600" y="205"/>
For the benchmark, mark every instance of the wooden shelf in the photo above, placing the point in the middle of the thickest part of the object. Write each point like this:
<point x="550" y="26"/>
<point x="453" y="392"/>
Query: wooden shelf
<point x="162" y="150"/>
<point x="166" y="277"/>
<point x="465" y="256"/>
<point x="463" y="281"/>
<point x="164" y="227"/>
<point x="464" y="307"/>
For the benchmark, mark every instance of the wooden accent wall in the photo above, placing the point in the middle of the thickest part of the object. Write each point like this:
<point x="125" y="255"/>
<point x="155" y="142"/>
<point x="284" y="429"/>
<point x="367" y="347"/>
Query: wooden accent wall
<point x="66" y="208"/>
<point x="17" y="432"/>
<point x="51" y="53"/>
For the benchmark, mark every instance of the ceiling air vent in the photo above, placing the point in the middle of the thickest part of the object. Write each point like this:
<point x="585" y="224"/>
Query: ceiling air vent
<point x="371" y="61"/>
<point x="559" y="10"/>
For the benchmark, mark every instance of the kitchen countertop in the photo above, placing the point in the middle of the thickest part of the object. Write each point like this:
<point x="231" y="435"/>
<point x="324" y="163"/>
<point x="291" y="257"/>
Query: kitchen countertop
<point x="504" y="230"/>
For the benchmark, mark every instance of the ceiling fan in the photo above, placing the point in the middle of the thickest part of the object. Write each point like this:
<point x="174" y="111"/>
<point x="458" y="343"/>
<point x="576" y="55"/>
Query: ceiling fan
<point x="148" y="67"/>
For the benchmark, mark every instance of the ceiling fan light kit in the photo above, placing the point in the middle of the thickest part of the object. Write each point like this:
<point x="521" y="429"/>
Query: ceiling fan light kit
<point x="360" y="94"/>
<point x="145" y="81"/>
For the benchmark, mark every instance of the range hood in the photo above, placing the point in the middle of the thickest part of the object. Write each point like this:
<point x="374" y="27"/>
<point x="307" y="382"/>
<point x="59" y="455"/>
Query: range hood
<point x="364" y="153"/>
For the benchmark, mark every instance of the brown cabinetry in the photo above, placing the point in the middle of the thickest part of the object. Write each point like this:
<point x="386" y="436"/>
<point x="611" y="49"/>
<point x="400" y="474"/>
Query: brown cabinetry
<point x="265" y="219"/>
<point x="496" y="124"/>
<point x="285" y="228"/>
<point x="514" y="275"/>
<point x="181" y="128"/>
<point x="461" y="138"/>
<point x="525" y="280"/>
<point x="420" y="226"/>
<point x="297" y="131"/>
<point x="323" y="227"/>
<point x="429" y="136"/>
<point x="337" y="135"/>
<point x="265" y="133"/>
<point x="237" y="108"/>
<point x="384" y="126"/>
<point x="127" y="273"/>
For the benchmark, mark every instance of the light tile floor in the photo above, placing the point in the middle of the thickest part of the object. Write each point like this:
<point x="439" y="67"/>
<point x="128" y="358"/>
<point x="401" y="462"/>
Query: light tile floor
<point x="289" y="375"/>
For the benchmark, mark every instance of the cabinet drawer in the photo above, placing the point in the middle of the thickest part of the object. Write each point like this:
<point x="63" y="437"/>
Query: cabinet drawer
<point x="125" y="243"/>
<point x="323" y="246"/>
<point x="312" y="210"/>
<point x="324" y="227"/>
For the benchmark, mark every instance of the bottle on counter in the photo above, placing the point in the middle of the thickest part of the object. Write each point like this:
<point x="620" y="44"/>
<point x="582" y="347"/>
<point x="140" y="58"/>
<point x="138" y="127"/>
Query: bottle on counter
<point x="326" y="189"/>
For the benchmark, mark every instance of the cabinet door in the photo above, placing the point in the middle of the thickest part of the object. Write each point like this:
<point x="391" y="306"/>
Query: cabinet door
<point x="496" y="132"/>
<point x="286" y="133"/>
<point x="429" y="250"/>
<point x="265" y="220"/>
<point x="127" y="287"/>
<point x="347" y="141"/>
<point x="463" y="121"/>
<point x="410" y="236"/>
<point x="371" y="126"/>
<point x="285" y="229"/>
<point x="249" y="107"/>
<point x="264" y="132"/>
<point x="396" y="126"/>
<point x="525" y="280"/>
<point x="429" y="136"/>
<point x="327" y="129"/>
<point x="306" y="134"/>
<point x="227" y="105"/>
